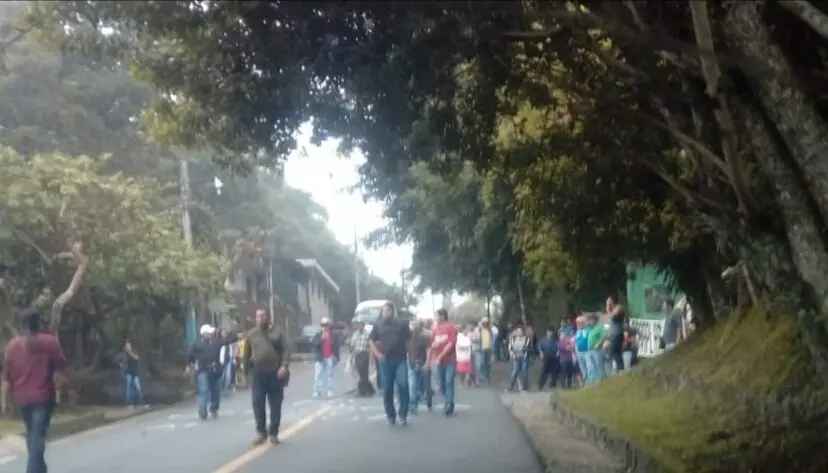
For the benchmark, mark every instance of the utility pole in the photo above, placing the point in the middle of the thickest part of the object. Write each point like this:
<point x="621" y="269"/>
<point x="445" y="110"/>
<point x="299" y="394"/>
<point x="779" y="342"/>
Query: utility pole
<point x="356" y="266"/>
<point x="188" y="239"/>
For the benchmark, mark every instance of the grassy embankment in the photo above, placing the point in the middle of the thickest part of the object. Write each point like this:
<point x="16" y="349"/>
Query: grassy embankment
<point x="738" y="398"/>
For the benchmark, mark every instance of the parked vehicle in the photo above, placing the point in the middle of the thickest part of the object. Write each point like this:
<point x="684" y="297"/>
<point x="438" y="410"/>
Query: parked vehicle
<point x="303" y="341"/>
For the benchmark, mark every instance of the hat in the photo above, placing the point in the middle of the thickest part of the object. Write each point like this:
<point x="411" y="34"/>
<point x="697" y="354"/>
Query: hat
<point x="484" y="320"/>
<point x="324" y="321"/>
<point x="207" y="329"/>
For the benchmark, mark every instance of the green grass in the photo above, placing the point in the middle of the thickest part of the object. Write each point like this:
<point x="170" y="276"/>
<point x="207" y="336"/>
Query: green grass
<point x="713" y="404"/>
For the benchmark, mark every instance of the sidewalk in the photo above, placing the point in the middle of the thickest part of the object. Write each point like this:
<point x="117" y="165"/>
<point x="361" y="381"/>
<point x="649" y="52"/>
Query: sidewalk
<point x="559" y="448"/>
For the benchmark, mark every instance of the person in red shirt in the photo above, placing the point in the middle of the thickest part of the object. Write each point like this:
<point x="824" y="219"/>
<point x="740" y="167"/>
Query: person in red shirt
<point x="326" y="346"/>
<point x="442" y="358"/>
<point x="31" y="360"/>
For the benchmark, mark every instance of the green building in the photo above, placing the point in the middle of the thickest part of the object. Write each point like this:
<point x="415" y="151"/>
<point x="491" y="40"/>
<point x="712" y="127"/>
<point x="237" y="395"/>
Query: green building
<point x="647" y="288"/>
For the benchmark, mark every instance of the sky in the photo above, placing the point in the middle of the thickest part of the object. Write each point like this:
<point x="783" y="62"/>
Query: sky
<point x="320" y="171"/>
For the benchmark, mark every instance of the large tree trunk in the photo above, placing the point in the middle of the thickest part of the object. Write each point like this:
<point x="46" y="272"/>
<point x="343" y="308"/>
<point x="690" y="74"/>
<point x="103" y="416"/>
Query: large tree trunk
<point x="804" y="250"/>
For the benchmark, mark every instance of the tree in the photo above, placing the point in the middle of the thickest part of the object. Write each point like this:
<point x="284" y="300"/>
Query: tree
<point x="81" y="231"/>
<point x="710" y="107"/>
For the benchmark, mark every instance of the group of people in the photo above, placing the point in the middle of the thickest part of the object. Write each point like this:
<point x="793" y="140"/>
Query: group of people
<point x="264" y="360"/>
<point x="413" y="361"/>
<point x="579" y="352"/>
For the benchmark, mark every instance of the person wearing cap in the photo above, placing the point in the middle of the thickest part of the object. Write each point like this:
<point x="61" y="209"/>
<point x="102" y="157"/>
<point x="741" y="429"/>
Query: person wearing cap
<point x="204" y="357"/>
<point x="30" y="362"/>
<point x="325" y="346"/>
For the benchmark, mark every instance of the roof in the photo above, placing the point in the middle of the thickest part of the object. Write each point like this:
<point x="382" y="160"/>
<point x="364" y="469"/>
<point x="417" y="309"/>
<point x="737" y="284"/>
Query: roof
<point x="312" y="263"/>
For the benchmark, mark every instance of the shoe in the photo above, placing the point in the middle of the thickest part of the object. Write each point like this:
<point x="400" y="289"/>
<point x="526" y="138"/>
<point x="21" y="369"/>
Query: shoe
<point x="412" y="411"/>
<point x="261" y="439"/>
<point x="274" y="440"/>
<point x="403" y="421"/>
<point x="214" y="414"/>
<point x="331" y="393"/>
<point x="449" y="410"/>
<point x="315" y="395"/>
<point x="392" y="421"/>
<point x="202" y="415"/>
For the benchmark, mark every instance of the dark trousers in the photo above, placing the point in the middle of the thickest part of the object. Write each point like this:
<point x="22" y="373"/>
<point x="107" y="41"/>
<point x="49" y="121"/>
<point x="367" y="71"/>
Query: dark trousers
<point x="549" y="372"/>
<point x="566" y="373"/>
<point x="616" y="351"/>
<point x="362" y="364"/>
<point x="267" y="388"/>
<point x="36" y="418"/>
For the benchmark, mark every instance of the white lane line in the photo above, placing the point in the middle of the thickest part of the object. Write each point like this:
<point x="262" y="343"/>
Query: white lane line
<point x="7" y="459"/>
<point x="161" y="427"/>
<point x="190" y="425"/>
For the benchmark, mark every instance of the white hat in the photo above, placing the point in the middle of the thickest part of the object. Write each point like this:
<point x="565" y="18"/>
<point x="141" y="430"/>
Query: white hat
<point x="324" y="321"/>
<point x="207" y="329"/>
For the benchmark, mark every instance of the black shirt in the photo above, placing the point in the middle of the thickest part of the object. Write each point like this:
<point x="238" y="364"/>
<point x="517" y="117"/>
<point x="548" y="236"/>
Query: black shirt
<point x="391" y="336"/>
<point x="131" y="367"/>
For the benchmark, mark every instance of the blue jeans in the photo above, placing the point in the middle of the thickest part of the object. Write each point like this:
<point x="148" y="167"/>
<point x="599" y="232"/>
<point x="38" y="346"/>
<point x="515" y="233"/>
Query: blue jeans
<point x="483" y="360"/>
<point x="395" y="373"/>
<point x="445" y="374"/>
<point x="520" y="371"/>
<point x="585" y="365"/>
<point x="208" y="392"/>
<point x="132" y="390"/>
<point x="597" y="368"/>
<point x="323" y="376"/>
<point x="418" y="384"/>
<point x="36" y="418"/>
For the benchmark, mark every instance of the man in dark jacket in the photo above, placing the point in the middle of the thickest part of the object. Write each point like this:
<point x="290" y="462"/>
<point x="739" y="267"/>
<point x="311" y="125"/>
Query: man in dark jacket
<point x="266" y="364"/>
<point x="325" y="346"/>
<point x="205" y="357"/>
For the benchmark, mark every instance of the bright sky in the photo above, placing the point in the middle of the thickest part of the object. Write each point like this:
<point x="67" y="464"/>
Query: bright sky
<point x="327" y="177"/>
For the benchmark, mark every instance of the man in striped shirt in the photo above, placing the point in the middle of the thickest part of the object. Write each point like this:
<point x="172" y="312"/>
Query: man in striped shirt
<point x="359" y="346"/>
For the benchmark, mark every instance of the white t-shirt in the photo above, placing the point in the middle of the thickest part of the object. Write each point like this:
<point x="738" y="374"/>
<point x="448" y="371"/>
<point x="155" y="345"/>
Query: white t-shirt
<point x="463" y="348"/>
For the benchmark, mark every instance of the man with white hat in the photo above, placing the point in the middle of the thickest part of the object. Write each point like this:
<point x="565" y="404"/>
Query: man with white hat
<point x="205" y="357"/>
<point x="325" y="346"/>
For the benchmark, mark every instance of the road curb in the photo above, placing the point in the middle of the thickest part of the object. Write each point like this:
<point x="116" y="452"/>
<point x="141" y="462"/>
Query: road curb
<point x="634" y="459"/>
<point x="544" y="462"/>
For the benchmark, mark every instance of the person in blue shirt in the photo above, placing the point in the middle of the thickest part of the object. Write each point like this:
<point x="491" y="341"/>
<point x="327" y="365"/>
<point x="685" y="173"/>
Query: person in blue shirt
<point x="582" y="348"/>
<point x="548" y="348"/>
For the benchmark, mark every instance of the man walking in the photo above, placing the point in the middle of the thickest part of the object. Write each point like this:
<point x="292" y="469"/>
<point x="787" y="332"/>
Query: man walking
<point x="484" y="355"/>
<point x="132" y="382"/>
<point x="359" y="347"/>
<point x="442" y="358"/>
<point x="550" y="366"/>
<point x="266" y="366"/>
<point x="205" y="357"/>
<point x="389" y="341"/>
<point x="326" y="348"/>
<point x="31" y="360"/>
<point x="418" y="384"/>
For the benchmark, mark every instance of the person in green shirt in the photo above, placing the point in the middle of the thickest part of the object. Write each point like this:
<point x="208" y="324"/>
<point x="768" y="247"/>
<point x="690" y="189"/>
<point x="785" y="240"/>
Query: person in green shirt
<point x="595" y="339"/>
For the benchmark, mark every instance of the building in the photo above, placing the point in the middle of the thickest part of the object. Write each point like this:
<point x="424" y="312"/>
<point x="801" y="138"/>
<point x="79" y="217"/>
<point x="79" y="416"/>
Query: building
<point x="296" y="292"/>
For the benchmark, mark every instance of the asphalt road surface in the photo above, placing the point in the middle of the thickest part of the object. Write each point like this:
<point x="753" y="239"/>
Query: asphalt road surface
<point x="318" y="435"/>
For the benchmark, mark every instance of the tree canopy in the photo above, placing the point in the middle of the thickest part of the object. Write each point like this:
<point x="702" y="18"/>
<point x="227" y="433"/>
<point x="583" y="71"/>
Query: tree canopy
<point x="90" y="226"/>
<point x="686" y="135"/>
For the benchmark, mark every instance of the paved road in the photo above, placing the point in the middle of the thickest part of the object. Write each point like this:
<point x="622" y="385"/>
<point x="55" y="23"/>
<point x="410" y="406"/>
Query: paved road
<point x="319" y="435"/>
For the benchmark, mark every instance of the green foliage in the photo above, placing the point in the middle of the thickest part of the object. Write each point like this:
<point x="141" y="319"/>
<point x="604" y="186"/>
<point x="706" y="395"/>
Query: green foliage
<point x="133" y="243"/>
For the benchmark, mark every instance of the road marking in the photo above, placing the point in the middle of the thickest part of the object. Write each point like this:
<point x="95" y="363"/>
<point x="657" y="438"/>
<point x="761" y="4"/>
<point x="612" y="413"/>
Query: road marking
<point x="247" y="457"/>
<point x="7" y="459"/>
<point x="190" y="425"/>
<point x="155" y="428"/>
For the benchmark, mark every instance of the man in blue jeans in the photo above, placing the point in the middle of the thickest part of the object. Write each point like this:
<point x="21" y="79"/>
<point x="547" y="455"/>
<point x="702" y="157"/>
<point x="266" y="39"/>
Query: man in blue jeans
<point x="390" y="339"/>
<point x="419" y="386"/>
<point x="31" y="360"/>
<point x="442" y="358"/>
<point x="205" y="355"/>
